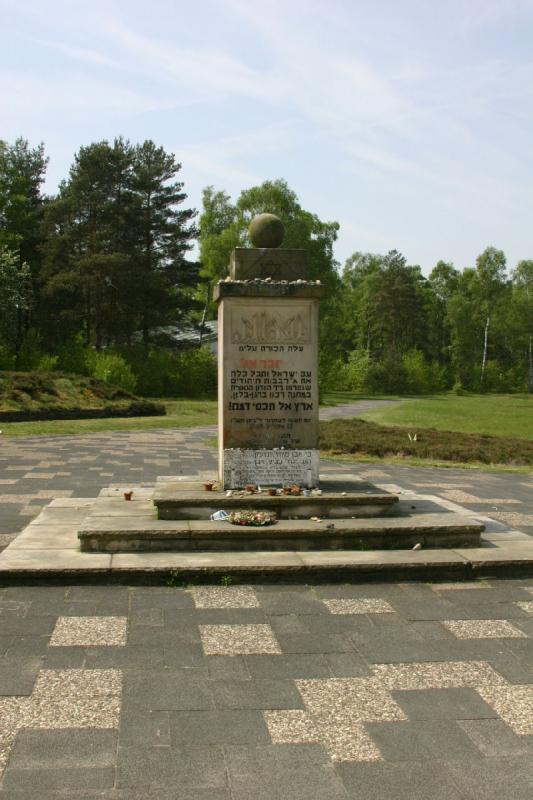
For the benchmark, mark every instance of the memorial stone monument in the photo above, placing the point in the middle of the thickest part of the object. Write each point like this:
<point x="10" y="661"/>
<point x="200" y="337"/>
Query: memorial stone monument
<point x="268" y="364"/>
<point x="268" y="437"/>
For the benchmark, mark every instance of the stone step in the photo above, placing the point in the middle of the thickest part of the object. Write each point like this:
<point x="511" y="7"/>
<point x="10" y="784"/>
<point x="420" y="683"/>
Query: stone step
<point x="141" y="532"/>
<point x="179" y="500"/>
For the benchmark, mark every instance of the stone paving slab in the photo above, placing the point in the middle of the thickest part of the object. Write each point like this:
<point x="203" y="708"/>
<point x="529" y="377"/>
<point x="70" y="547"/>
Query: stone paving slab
<point x="129" y="458"/>
<point x="239" y="692"/>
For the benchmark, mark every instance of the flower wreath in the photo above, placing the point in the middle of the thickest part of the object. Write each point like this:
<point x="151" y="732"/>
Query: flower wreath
<point x="254" y="518"/>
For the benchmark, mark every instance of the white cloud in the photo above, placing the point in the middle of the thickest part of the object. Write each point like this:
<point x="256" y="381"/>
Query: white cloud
<point x="202" y="70"/>
<point x="29" y="96"/>
<point x="225" y="158"/>
<point x="478" y="13"/>
<point x="84" y="54"/>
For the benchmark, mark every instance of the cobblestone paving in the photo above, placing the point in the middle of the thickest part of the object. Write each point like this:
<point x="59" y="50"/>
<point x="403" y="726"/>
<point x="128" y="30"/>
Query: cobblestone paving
<point x="265" y="691"/>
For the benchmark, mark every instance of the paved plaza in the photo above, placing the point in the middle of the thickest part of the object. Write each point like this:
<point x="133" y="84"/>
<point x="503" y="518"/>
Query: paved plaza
<point x="383" y="690"/>
<point x="267" y="691"/>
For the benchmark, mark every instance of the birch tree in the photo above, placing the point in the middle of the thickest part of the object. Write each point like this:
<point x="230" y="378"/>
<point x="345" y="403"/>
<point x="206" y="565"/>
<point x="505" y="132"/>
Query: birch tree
<point x="489" y="286"/>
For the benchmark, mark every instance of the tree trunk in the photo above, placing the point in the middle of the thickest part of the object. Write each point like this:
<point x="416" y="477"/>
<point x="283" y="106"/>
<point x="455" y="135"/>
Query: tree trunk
<point x="18" y="337"/>
<point x="148" y="271"/>
<point x="88" y="311"/>
<point x="204" y="315"/>
<point x="485" y="346"/>
<point x="146" y="335"/>
<point x="531" y="363"/>
<point x="98" y="315"/>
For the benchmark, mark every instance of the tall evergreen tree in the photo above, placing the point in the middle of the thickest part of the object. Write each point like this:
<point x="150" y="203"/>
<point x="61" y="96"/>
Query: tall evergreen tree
<point x="162" y="234"/>
<point x="115" y="254"/>
<point x="391" y="309"/>
<point x="22" y="171"/>
<point x="85" y="253"/>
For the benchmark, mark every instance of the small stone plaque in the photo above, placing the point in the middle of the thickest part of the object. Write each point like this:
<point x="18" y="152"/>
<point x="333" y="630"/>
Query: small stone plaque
<point x="270" y="467"/>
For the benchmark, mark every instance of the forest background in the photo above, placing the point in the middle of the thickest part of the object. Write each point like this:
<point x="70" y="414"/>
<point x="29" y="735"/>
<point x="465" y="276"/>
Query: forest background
<point x="98" y="280"/>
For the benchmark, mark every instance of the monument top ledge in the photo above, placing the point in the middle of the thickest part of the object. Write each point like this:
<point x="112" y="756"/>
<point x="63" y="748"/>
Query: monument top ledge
<point x="268" y="288"/>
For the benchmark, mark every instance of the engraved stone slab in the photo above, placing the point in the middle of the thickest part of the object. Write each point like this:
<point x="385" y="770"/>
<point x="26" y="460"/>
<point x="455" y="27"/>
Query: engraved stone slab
<point x="268" y="373"/>
<point x="270" y="467"/>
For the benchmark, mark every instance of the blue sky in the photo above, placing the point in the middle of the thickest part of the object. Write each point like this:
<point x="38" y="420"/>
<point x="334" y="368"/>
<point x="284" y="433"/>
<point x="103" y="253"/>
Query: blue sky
<point x="407" y="121"/>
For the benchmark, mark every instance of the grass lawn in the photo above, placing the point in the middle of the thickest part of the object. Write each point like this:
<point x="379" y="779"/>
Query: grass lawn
<point x="180" y="414"/>
<point x="495" y="415"/>
<point x="341" y="398"/>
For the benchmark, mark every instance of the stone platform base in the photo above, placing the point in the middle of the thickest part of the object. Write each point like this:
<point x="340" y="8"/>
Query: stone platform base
<point x="48" y="550"/>
<point x="187" y="500"/>
<point x="142" y="533"/>
<point x="347" y="515"/>
<point x="115" y="526"/>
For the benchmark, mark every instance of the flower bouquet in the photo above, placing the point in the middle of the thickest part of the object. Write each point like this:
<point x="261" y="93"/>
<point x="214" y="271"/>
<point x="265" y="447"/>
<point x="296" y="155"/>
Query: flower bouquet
<point x="255" y="518"/>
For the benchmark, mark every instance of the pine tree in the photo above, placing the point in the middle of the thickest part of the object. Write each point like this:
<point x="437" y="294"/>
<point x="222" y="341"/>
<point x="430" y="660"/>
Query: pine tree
<point x="392" y="308"/>
<point x="115" y="254"/>
<point x="161" y="236"/>
<point x="22" y="171"/>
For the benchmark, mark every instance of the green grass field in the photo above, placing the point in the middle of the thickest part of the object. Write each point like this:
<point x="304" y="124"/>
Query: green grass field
<point x="495" y="415"/>
<point x="337" y="398"/>
<point x="180" y="414"/>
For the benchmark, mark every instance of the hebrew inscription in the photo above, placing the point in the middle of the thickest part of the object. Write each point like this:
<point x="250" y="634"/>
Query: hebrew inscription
<point x="269" y="373"/>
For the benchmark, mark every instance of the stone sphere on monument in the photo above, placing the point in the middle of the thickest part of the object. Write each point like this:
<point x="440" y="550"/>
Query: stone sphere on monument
<point x="266" y="230"/>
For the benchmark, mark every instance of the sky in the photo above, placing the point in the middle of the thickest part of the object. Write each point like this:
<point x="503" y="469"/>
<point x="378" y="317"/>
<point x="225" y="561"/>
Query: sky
<point x="409" y="122"/>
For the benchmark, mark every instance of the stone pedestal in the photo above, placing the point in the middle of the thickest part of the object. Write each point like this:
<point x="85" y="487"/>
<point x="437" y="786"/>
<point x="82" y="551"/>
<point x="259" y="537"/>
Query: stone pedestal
<point x="268" y="370"/>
